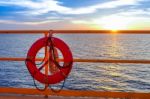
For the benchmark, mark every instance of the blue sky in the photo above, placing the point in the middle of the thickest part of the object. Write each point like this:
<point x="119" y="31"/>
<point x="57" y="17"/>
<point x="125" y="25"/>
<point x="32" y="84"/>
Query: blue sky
<point x="74" y="14"/>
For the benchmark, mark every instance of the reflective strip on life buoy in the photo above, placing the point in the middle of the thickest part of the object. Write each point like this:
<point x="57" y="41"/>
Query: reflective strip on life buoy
<point x="59" y="75"/>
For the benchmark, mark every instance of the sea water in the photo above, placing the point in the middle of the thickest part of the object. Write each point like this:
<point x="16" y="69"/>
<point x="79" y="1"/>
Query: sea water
<point x="84" y="76"/>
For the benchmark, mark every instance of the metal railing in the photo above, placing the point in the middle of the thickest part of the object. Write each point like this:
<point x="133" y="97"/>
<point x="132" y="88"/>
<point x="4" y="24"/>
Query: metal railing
<point x="73" y="92"/>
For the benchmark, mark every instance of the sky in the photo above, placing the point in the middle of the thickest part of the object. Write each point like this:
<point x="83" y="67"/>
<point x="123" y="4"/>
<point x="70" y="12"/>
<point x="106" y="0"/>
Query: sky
<point x="75" y="14"/>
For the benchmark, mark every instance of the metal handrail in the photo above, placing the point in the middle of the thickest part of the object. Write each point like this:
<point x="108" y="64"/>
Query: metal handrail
<point x="78" y="93"/>
<point x="74" y="31"/>
<point x="83" y="60"/>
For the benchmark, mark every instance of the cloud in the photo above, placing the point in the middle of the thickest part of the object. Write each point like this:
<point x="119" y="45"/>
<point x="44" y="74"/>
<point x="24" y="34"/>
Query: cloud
<point x="136" y="12"/>
<point x="80" y="22"/>
<point x="45" y="6"/>
<point x="12" y="25"/>
<point x="129" y="19"/>
<point x="27" y="23"/>
<point x="106" y="5"/>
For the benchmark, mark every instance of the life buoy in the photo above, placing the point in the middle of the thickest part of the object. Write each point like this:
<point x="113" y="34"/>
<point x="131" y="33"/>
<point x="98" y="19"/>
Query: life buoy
<point x="60" y="74"/>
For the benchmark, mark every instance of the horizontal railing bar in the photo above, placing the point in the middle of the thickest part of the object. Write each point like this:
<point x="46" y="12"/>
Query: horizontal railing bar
<point x="16" y="59"/>
<point x="85" y="60"/>
<point x="77" y="93"/>
<point x="74" y="31"/>
<point x="112" y="61"/>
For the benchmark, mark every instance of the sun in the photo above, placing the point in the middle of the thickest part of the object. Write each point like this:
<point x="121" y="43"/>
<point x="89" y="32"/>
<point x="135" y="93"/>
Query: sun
<point x="114" y="23"/>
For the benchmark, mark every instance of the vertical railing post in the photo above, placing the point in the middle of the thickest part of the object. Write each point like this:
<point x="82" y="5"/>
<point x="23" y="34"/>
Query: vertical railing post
<point x="46" y="66"/>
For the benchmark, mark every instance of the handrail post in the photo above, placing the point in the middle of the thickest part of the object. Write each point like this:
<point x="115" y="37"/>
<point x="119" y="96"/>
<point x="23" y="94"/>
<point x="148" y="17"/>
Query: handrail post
<point x="46" y="66"/>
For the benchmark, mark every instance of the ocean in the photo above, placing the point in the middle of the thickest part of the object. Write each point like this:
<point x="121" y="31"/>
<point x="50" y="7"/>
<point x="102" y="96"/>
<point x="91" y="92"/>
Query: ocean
<point x="84" y="76"/>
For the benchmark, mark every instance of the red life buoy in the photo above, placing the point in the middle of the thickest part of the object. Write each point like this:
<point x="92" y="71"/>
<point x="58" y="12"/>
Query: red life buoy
<point x="63" y="71"/>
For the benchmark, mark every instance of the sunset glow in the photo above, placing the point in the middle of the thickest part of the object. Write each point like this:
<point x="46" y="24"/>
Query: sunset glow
<point x="85" y="14"/>
<point x="114" y="23"/>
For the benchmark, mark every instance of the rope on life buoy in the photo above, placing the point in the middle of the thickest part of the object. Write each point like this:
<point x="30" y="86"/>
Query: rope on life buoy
<point x="63" y="71"/>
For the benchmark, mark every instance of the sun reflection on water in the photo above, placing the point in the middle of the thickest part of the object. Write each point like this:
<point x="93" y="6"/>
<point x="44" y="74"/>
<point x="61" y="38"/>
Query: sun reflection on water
<point x="114" y="50"/>
<point x="113" y="72"/>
